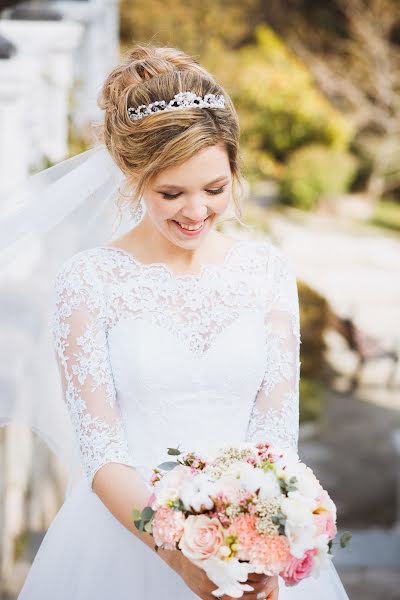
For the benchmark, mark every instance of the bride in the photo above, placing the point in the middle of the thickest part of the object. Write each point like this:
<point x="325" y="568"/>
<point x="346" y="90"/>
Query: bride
<point x="172" y="334"/>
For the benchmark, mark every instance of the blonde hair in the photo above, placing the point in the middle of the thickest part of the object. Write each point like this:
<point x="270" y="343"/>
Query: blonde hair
<point x="143" y="148"/>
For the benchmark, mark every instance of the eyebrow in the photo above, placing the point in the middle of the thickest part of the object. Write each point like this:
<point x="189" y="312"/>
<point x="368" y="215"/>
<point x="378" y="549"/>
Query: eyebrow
<point x="172" y="186"/>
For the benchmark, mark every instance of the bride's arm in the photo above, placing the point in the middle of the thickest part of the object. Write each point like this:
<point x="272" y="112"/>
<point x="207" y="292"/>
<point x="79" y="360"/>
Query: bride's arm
<point x="79" y="330"/>
<point x="275" y="414"/>
<point x="81" y="346"/>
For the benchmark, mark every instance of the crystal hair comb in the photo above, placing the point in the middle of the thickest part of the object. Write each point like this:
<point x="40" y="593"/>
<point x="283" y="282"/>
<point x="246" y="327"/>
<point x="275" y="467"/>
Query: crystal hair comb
<point x="180" y="100"/>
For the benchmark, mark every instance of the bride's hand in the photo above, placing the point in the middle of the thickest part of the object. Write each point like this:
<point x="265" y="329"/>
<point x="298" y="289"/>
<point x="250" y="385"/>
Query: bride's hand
<point x="265" y="587"/>
<point x="197" y="580"/>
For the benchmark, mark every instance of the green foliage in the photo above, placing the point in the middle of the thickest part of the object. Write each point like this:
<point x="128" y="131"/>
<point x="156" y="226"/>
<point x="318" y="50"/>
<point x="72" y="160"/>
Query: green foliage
<point x="311" y="396"/>
<point x="279" y="105"/>
<point x="314" y="313"/>
<point x="387" y="215"/>
<point x="314" y="171"/>
<point x="188" y="24"/>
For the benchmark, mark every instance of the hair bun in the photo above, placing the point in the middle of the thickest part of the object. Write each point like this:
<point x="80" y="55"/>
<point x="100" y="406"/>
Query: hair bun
<point x="141" y="64"/>
<point x="150" y="61"/>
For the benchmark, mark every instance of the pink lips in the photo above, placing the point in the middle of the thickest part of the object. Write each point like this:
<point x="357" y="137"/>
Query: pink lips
<point x="190" y="233"/>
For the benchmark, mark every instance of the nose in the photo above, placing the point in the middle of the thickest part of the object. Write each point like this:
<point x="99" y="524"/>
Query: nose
<point x="194" y="210"/>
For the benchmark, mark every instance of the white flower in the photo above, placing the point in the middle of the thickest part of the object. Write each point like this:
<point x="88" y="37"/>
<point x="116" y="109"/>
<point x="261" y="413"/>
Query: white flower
<point x="195" y="493"/>
<point x="238" y="469"/>
<point x="289" y="460"/>
<point x="297" y="510"/>
<point x="168" y="487"/>
<point x="227" y="575"/>
<point x="321" y="558"/>
<point x="229" y="487"/>
<point x="266" y="481"/>
<point x="299" y="528"/>
<point x="307" y="483"/>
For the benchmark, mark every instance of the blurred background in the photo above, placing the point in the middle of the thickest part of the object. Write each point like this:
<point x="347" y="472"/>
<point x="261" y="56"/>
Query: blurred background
<point x="317" y="88"/>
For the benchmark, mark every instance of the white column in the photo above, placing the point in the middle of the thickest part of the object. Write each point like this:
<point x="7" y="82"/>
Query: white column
<point x="98" y="52"/>
<point x="51" y="44"/>
<point x="16" y="91"/>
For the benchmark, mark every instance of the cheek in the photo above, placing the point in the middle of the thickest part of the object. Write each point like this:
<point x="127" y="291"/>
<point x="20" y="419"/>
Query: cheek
<point x="160" y="212"/>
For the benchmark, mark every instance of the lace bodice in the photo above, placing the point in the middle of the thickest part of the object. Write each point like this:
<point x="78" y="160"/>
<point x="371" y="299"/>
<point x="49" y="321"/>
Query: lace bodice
<point x="150" y="359"/>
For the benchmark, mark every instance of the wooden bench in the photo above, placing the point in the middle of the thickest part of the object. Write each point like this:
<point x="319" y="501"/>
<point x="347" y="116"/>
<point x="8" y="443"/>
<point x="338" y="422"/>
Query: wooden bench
<point x="367" y="347"/>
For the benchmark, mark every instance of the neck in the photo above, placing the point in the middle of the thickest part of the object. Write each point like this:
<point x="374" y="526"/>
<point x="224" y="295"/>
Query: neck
<point x="160" y="249"/>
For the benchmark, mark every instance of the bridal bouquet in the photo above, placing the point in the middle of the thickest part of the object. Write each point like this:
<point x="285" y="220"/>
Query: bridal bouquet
<point x="242" y="509"/>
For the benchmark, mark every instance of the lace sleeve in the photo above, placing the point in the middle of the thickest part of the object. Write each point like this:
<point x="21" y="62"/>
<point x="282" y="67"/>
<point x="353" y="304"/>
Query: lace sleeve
<point x="81" y="348"/>
<point x="275" y="413"/>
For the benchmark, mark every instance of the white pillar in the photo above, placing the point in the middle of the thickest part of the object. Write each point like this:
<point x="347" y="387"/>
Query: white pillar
<point x="51" y="45"/>
<point x="98" y="52"/>
<point x="15" y="136"/>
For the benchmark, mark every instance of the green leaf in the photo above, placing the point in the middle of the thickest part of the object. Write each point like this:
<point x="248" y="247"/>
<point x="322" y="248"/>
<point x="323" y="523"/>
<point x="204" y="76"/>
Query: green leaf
<point x="139" y="524"/>
<point x="148" y="527"/>
<point x="345" y="538"/>
<point x="174" y="451"/>
<point x="147" y="513"/>
<point x="136" y="514"/>
<point x="167" y="466"/>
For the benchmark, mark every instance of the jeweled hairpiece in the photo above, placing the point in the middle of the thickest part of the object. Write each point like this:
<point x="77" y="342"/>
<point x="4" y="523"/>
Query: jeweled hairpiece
<point x="180" y="100"/>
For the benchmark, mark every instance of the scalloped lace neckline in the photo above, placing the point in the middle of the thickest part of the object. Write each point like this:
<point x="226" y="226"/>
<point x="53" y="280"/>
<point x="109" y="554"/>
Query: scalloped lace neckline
<point x="183" y="276"/>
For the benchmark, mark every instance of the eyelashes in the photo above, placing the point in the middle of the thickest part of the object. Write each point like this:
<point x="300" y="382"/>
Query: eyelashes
<point x="211" y="192"/>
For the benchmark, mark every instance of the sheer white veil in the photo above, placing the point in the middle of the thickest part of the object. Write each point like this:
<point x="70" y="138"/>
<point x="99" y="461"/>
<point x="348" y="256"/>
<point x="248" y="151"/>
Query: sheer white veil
<point x="53" y="214"/>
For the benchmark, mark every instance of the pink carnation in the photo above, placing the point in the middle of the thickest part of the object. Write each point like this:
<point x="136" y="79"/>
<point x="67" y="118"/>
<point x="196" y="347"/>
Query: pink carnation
<point x="168" y="527"/>
<point x="298" y="568"/>
<point x="244" y="526"/>
<point x="270" y="553"/>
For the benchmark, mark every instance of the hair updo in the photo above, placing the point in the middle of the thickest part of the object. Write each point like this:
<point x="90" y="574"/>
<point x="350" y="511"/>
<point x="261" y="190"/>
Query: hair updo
<point x="143" y="148"/>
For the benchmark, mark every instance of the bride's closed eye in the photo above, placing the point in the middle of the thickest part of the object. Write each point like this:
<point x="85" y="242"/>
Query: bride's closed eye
<point x="172" y="196"/>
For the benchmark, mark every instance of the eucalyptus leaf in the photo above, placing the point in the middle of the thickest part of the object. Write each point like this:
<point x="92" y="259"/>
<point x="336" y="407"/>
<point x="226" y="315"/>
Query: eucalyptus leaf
<point x="345" y="538"/>
<point x="138" y="524"/>
<point x="148" y="527"/>
<point x="174" y="451"/>
<point x="147" y="513"/>
<point x="168" y="465"/>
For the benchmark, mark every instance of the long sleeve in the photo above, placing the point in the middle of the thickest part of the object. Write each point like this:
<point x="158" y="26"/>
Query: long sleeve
<point x="275" y="413"/>
<point x="81" y="346"/>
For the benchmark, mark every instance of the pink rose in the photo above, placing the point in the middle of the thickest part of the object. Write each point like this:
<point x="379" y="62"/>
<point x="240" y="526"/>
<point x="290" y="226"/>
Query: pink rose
<point x="168" y="527"/>
<point x="298" y="568"/>
<point x="202" y="537"/>
<point x="325" y="524"/>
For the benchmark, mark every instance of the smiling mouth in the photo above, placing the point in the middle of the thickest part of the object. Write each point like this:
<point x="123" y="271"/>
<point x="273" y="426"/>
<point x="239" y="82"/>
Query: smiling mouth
<point x="192" y="230"/>
<point x="191" y="226"/>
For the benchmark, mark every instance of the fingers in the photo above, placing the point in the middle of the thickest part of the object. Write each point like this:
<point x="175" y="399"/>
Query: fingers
<point x="274" y="595"/>
<point x="264" y="590"/>
<point x="257" y="577"/>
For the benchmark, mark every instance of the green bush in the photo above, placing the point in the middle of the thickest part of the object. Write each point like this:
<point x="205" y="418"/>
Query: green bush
<point x="311" y="397"/>
<point x="279" y="104"/>
<point x="387" y="214"/>
<point x="314" y="171"/>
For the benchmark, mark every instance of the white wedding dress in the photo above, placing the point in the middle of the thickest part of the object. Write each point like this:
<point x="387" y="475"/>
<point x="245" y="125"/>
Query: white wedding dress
<point x="149" y="360"/>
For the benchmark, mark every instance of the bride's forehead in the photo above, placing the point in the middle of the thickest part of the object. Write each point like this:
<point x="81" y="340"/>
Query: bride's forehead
<point x="203" y="168"/>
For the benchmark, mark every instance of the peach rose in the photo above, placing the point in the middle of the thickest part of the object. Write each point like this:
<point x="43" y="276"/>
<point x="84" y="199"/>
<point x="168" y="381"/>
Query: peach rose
<point x="202" y="537"/>
<point x="298" y="568"/>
